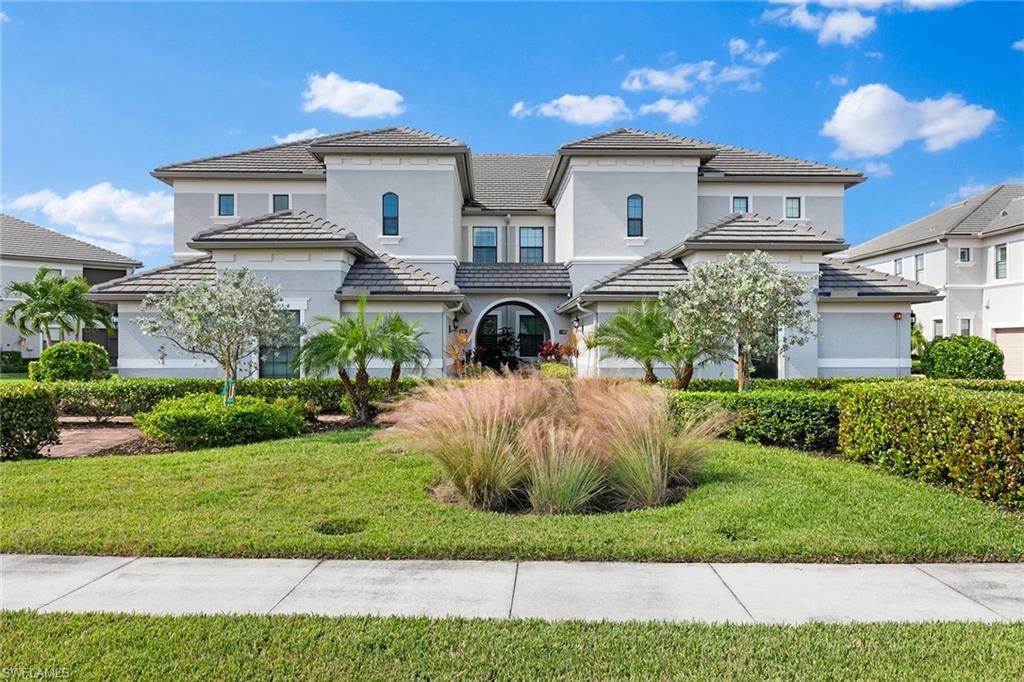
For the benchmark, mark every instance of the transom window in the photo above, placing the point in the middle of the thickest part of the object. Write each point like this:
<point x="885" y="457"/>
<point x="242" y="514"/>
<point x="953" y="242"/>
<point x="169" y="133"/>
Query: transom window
<point x="485" y="245"/>
<point x="919" y="267"/>
<point x="897" y="266"/>
<point x="965" y="255"/>
<point x="281" y="202"/>
<point x="277" y="363"/>
<point x="634" y="216"/>
<point x="740" y="204"/>
<point x="531" y="244"/>
<point x="793" y="207"/>
<point x="965" y="327"/>
<point x="1000" y="261"/>
<point x="390" y="212"/>
<point x="226" y="204"/>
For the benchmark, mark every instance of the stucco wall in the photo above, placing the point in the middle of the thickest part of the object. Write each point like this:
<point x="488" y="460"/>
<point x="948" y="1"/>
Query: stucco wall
<point x="822" y="203"/>
<point x="859" y="339"/>
<point x="13" y="270"/>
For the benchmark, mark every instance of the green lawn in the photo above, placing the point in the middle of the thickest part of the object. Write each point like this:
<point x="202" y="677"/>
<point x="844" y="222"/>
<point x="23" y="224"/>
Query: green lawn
<point x="753" y="503"/>
<point x="13" y="376"/>
<point x="103" y="647"/>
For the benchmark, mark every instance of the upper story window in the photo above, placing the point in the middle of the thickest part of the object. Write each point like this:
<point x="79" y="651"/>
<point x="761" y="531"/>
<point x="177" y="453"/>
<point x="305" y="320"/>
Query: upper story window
<point x="485" y="245"/>
<point x="531" y="244"/>
<point x="634" y="216"/>
<point x="965" y="326"/>
<point x="225" y="204"/>
<point x="919" y="267"/>
<point x="740" y="204"/>
<point x="390" y="213"/>
<point x="964" y="255"/>
<point x="794" y="208"/>
<point x="897" y="266"/>
<point x="281" y="202"/>
<point x="1000" y="261"/>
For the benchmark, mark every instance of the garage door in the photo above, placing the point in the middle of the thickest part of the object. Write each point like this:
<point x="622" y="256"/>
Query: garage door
<point x="1012" y="343"/>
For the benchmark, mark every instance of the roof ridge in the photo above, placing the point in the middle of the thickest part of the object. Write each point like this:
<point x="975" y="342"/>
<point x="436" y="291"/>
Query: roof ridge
<point x="418" y="270"/>
<point x="97" y="288"/>
<point x="989" y="193"/>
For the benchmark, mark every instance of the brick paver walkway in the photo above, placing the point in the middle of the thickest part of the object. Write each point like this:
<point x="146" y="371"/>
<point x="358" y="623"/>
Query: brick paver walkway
<point x="78" y="442"/>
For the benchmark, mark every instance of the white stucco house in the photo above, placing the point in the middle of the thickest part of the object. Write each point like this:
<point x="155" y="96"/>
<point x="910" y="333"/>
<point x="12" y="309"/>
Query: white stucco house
<point x="539" y="244"/>
<point x="972" y="252"/>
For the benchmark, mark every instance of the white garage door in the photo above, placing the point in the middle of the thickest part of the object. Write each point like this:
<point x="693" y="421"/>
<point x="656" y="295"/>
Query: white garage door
<point x="1012" y="343"/>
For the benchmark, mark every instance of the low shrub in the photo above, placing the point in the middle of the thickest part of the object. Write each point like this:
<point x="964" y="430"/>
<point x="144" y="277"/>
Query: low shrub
<point x="807" y="420"/>
<point x="73" y="361"/>
<point x="1006" y="385"/>
<point x="12" y="362"/>
<point x="28" y="420"/>
<point x="969" y="441"/>
<point x="962" y="357"/>
<point x="808" y="384"/>
<point x="557" y="370"/>
<point x="563" y="478"/>
<point x="203" y="420"/>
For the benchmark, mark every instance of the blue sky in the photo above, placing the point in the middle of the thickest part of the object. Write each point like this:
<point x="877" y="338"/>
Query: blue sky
<point x="927" y="96"/>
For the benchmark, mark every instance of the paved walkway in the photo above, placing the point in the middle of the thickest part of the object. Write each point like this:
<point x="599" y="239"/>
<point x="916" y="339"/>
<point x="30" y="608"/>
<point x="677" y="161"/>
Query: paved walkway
<point x="81" y="442"/>
<point x="551" y="590"/>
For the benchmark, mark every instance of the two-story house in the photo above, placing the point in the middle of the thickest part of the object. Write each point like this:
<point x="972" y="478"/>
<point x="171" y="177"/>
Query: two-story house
<point x="534" y="244"/>
<point x="973" y="253"/>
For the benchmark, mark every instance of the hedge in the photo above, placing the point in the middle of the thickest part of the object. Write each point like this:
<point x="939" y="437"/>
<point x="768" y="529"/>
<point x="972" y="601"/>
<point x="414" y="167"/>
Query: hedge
<point x="557" y="370"/>
<point x="962" y="357"/>
<point x="203" y="420"/>
<point x="28" y="420"/>
<point x="12" y="362"/>
<point x="807" y="420"/>
<point x="967" y="440"/>
<point x="808" y="384"/>
<point x="72" y="361"/>
<point x="119" y="397"/>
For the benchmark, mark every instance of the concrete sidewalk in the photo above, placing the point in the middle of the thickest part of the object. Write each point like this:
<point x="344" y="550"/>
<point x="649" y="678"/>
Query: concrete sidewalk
<point x="551" y="590"/>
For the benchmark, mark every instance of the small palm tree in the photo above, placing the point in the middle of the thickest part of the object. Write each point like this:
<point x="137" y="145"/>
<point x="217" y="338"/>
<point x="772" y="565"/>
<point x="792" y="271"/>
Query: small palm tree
<point x="635" y="333"/>
<point x="348" y="342"/>
<point x="402" y="344"/>
<point x="917" y="340"/>
<point x="50" y="300"/>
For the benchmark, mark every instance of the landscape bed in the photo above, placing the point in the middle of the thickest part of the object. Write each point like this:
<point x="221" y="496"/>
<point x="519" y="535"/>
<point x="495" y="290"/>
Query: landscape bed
<point x="318" y="647"/>
<point x="751" y="503"/>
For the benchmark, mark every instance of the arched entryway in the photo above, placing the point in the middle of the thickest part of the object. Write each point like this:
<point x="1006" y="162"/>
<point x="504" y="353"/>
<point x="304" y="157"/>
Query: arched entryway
<point x="510" y="332"/>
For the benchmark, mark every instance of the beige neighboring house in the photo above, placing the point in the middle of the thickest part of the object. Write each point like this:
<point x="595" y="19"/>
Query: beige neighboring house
<point x="973" y="253"/>
<point x="24" y="248"/>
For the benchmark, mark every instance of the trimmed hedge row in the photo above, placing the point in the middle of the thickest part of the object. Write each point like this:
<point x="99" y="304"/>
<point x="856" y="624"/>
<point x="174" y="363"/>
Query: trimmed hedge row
<point x="28" y="420"/>
<point x="970" y="441"/>
<point x="11" y="362"/>
<point x="1006" y="385"/>
<point x="203" y="420"/>
<point x="809" y="384"/>
<point x="807" y="420"/>
<point x="119" y="397"/>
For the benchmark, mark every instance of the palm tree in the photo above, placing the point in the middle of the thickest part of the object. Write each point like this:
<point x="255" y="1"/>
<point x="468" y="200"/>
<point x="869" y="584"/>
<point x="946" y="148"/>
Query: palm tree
<point x="50" y="300"/>
<point x="635" y="333"/>
<point x="348" y="342"/>
<point x="917" y="340"/>
<point x="402" y="344"/>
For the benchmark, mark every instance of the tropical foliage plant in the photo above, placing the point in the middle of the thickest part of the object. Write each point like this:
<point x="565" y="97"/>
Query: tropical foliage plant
<point x="403" y="346"/>
<point x="51" y="300"/>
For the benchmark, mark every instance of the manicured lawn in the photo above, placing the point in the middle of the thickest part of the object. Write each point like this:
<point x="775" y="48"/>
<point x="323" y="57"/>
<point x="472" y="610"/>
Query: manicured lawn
<point x="753" y="503"/>
<point x="102" y="647"/>
<point x="14" y="377"/>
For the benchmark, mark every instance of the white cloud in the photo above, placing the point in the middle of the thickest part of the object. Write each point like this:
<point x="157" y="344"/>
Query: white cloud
<point x="760" y="56"/>
<point x="578" y="109"/>
<point x="965" y="190"/>
<point x="676" y="110"/>
<point x="683" y="77"/>
<point x="355" y="99"/>
<point x="1018" y="45"/>
<point x="844" y="26"/>
<point x="107" y="215"/>
<point x="874" y="55"/>
<point x="296" y="136"/>
<point x="619" y="58"/>
<point x="838" y="81"/>
<point x="737" y="46"/>
<point x="874" y="120"/>
<point x="878" y="169"/>
<point x="4" y="18"/>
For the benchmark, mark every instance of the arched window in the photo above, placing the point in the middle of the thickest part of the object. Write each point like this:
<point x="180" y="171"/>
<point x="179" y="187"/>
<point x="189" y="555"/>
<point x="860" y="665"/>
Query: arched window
<point x="390" y="226"/>
<point x="634" y="216"/>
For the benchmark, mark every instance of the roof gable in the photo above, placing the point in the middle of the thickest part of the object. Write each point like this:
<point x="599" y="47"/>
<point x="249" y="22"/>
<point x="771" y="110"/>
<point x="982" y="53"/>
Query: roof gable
<point x="387" y="137"/>
<point x="22" y="239"/>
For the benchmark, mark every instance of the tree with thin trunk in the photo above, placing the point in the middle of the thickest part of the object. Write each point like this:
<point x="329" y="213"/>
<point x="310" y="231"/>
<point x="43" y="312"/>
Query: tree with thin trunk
<point x="402" y="345"/>
<point x="635" y="333"/>
<point x="226" y="318"/>
<point x="51" y="300"/>
<point x="747" y="302"/>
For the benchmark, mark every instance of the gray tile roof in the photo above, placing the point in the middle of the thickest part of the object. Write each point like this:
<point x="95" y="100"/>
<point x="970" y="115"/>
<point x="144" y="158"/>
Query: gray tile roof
<point x="840" y="280"/>
<point x="648" y="276"/>
<point x="976" y="215"/>
<point x="732" y="160"/>
<point x="513" y="276"/>
<point x="284" y="226"/>
<point x="387" y="137"/>
<point x="157" y="281"/>
<point x="630" y="138"/>
<point x="22" y="239"/>
<point x="755" y="229"/>
<point x="291" y="157"/>
<point x="510" y="182"/>
<point x="382" y="274"/>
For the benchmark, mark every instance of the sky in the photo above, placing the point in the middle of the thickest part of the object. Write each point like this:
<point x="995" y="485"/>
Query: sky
<point x="925" y="96"/>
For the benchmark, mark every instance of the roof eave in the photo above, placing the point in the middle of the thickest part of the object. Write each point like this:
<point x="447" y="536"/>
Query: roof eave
<point x="499" y="290"/>
<point x="847" y="180"/>
<point x="885" y="298"/>
<point x="813" y="247"/>
<point x="89" y="262"/>
<point x="936" y="239"/>
<point x="168" y="176"/>
<point x="473" y="210"/>
<point x="249" y="244"/>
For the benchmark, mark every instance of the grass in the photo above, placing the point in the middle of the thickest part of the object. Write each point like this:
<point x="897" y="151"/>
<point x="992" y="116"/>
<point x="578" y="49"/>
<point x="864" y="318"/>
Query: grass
<point x="104" y="647"/>
<point x="14" y="376"/>
<point x="752" y="504"/>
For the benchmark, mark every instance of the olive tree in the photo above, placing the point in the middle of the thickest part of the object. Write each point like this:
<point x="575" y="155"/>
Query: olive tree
<point x="748" y="304"/>
<point x="226" y="318"/>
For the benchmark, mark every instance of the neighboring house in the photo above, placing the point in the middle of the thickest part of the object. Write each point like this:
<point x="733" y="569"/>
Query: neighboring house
<point x="973" y="253"/>
<point x="533" y="243"/>
<point x="24" y="248"/>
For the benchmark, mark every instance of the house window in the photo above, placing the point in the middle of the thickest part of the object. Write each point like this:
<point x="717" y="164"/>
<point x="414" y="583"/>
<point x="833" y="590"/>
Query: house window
<point x="937" y="329"/>
<point x="280" y="202"/>
<point x="964" y="255"/>
<point x="897" y="266"/>
<point x="226" y="204"/>
<point x="793" y="208"/>
<point x="390" y="212"/>
<point x="531" y="244"/>
<point x="485" y="245"/>
<point x="1000" y="261"/>
<point x="965" y="327"/>
<point x="277" y="363"/>
<point x="919" y="267"/>
<point x="740" y="204"/>
<point x="531" y="335"/>
<point x="634" y="216"/>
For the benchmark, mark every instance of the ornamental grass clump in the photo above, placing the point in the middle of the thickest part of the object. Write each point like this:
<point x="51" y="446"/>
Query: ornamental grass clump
<point x="552" y="447"/>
